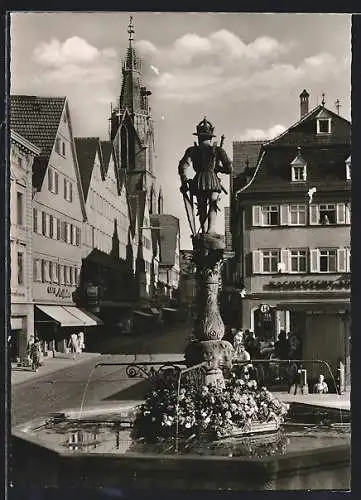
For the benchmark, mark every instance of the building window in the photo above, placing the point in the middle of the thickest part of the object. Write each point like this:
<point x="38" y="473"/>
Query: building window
<point x="270" y="260"/>
<point x="71" y="275"/>
<point x="57" y="145"/>
<point x="61" y="274"/>
<point x="47" y="225"/>
<point x="51" y="226"/>
<point x="50" y="180"/>
<point x="55" y="272"/>
<point x="324" y="126"/>
<point x="35" y="220"/>
<point x="53" y="181"/>
<point x="328" y="261"/>
<point x="68" y="190"/>
<point x="76" y="270"/>
<point x="297" y="215"/>
<point x="327" y="214"/>
<point x="78" y="234"/>
<point x="19" y="208"/>
<point x="37" y="270"/>
<point x="20" y="268"/>
<point x="63" y="149"/>
<point x="46" y="268"/>
<point x="348" y="260"/>
<point x="348" y="168"/>
<point x="299" y="173"/>
<point x="270" y="215"/>
<point x="298" y="261"/>
<point x="68" y="233"/>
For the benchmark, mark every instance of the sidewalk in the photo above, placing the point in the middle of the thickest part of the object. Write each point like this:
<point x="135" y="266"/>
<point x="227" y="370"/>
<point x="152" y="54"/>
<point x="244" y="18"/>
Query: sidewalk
<point x="49" y="365"/>
<point x="341" y="402"/>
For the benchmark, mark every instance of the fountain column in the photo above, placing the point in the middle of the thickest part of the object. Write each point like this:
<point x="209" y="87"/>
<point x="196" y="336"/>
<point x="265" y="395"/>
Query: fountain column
<point x="208" y="345"/>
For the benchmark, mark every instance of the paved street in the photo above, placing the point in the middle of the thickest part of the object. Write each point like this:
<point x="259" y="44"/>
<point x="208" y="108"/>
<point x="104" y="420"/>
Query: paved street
<point x="64" y="388"/>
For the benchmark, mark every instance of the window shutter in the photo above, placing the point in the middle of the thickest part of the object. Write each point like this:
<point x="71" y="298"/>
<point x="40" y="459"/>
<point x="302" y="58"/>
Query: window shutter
<point x="35" y="220"/>
<point x="70" y="191"/>
<point x="51" y="223"/>
<point x="348" y="260"/>
<point x="314" y="214"/>
<point x="341" y="260"/>
<point x="43" y="270"/>
<point x="284" y="215"/>
<point x="78" y="236"/>
<point x="285" y="260"/>
<point x="34" y="270"/>
<point x="347" y="213"/>
<point x="63" y="231"/>
<point x="43" y="223"/>
<point x="341" y="213"/>
<point x="256" y="261"/>
<point x="58" y="229"/>
<point x="314" y="260"/>
<point x="56" y="178"/>
<point x="256" y="215"/>
<point x="65" y="190"/>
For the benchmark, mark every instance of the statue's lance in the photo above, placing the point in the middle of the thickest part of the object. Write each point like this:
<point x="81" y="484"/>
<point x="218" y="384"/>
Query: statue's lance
<point x="221" y="146"/>
<point x="189" y="206"/>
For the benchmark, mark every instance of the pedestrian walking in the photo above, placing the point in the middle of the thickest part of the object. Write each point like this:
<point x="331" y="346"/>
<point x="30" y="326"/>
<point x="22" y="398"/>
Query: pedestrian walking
<point x="35" y="355"/>
<point x="81" y="341"/>
<point x="74" y="345"/>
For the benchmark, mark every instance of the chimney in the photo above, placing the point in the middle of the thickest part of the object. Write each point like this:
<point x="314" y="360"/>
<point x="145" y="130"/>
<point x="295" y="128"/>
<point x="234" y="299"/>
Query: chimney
<point x="304" y="96"/>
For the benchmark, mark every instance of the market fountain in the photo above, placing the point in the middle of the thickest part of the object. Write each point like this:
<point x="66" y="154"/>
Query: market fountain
<point x="202" y="422"/>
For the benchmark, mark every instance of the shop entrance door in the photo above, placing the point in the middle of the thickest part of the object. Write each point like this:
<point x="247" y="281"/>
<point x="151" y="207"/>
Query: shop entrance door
<point x="265" y="322"/>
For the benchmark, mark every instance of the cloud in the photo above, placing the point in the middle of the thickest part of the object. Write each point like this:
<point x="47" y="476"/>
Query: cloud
<point x="195" y="68"/>
<point x="73" y="61"/>
<point x="259" y="134"/>
<point x="73" y="50"/>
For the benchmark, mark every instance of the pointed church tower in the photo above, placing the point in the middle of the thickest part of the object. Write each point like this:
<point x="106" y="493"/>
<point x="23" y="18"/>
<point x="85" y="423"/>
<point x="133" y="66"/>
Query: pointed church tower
<point x="132" y="121"/>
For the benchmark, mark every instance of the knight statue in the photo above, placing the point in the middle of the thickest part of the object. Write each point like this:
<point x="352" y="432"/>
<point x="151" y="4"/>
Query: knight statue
<point x="207" y="160"/>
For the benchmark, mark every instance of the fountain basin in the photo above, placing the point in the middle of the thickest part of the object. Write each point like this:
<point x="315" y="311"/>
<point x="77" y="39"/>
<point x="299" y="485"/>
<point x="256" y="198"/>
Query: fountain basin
<point x="311" y="456"/>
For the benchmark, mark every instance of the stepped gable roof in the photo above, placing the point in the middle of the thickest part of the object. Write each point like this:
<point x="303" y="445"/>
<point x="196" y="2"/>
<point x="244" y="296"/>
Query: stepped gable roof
<point x="86" y="148"/>
<point x="37" y="120"/>
<point x="244" y="151"/>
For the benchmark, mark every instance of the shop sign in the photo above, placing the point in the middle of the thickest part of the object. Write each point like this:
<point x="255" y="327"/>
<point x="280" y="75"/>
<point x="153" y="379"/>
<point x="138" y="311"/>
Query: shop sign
<point x="92" y="291"/>
<point x="343" y="283"/>
<point x="63" y="293"/>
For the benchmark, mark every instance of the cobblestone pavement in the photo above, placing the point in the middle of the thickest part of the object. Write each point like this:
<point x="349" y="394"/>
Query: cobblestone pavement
<point x="53" y="390"/>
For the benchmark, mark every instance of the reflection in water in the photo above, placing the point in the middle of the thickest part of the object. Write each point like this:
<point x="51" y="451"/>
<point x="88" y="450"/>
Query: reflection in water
<point x="83" y="440"/>
<point x="112" y="437"/>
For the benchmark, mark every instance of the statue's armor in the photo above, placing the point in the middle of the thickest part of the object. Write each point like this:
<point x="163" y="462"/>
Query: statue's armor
<point x="207" y="160"/>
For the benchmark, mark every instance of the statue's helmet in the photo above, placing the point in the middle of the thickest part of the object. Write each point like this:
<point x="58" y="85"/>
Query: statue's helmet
<point x="205" y="129"/>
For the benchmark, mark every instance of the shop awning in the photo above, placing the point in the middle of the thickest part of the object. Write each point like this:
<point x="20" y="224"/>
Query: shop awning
<point x="70" y="315"/>
<point x="87" y="318"/>
<point x="170" y="309"/>
<point x="61" y="315"/>
<point x="331" y="305"/>
<point x="143" y="314"/>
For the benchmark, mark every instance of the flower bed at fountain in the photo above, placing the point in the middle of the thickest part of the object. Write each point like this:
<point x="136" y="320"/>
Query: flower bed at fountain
<point x="199" y="413"/>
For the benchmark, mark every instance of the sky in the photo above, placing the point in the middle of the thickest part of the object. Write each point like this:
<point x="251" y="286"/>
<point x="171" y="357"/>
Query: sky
<point x="244" y="71"/>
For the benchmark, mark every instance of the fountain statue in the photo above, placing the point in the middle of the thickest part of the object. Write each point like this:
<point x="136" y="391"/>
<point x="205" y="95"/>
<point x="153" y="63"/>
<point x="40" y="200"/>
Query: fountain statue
<point x="204" y="190"/>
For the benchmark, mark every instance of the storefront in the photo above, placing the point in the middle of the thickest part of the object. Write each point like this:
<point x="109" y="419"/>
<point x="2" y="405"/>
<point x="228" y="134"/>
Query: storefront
<point x="54" y="325"/>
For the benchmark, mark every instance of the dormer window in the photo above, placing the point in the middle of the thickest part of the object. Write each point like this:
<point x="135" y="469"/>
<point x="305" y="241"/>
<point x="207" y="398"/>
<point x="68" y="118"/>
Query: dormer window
<point x="348" y="168"/>
<point x="324" y="125"/>
<point x="298" y="168"/>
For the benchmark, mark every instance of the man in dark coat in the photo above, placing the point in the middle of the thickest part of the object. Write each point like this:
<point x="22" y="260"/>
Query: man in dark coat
<point x="207" y="160"/>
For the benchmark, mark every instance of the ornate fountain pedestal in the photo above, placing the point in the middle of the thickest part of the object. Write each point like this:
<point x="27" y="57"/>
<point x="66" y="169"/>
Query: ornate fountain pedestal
<point x="208" y="345"/>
